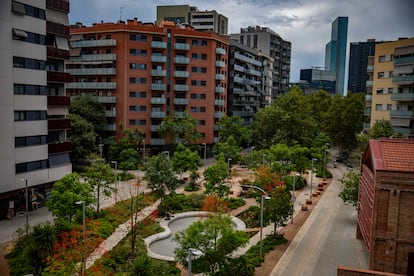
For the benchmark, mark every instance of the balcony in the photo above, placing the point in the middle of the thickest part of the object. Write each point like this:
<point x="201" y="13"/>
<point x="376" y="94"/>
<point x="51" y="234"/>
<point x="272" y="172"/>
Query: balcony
<point x="220" y="77"/>
<point x="402" y="113"/>
<point x="155" y="128"/>
<point x="401" y="97"/>
<point x="105" y="99"/>
<point x="59" y="147"/>
<point x="182" y="46"/>
<point x="110" y="113"/>
<point x="370" y="68"/>
<point x="158" y="86"/>
<point x="220" y="51"/>
<point x="57" y="124"/>
<point x="158" y="73"/>
<point x="158" y="45"/>
<point x="247" y="59"/>
<point x="403" y="80"/>
<point x="219" y="102"/>
<point x="404" y="130"/>
<point x="158" y="100"/>
<point x="367" y="112"/>
<point x="91" y="85"/>
<point x="93" y="43"/>
<point x="219" y="89"/>
<point x="158" y="58"/>
<point x="91" y="71"/>
<point x="367" y="126"/>
<point x="55" y="76"/>
<point x="369" y="83"/>
<point x="157" y="114"/>
<point x="218" y="114"/>
<point x="217" y="127"/>
<point x="404" y="60"/>
<point x="181" y="60"/>
<point x="58" y="5"/>
<point x="56" y="28"/>
<point x="368" y="98"/>
<point x="220" y="63"/>
<point x="181" y="74"/>
<point x="61" y="101"/>
<point x="157" y="142"/>
<point x="181" y="87"/>
<point x="57" y="53"/>
<point x="180" y="101"/>
<point x="95" y="57"/>
<point x="110" y="127"/>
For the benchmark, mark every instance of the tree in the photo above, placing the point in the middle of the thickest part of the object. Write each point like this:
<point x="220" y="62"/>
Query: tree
<point x="100" y="176"/>
<point x="160" y="174"/>
<point x="279" y="208"/>
<point x="125" y="151"/>
<point x="233" y="126"/>
<point x="229" y="148"/>
<point x="90" y="110"/>
<point x="180" y="129"/>
<point x="350" y="188"/>
<point x="65" y="193"/>
<point x="82" y="137"/>
<point x="185" y="160"/>
<point x="214" y="237"/>
<point x="215" y="176"/>
<point x="381" y="129"/>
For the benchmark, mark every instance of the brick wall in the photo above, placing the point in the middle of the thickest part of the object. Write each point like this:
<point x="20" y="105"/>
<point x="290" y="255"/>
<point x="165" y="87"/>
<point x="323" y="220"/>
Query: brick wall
<point x="349" y="271"/>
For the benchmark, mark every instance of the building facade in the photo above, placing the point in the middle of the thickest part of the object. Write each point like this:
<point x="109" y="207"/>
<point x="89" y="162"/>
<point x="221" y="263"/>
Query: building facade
<point x="392" y="86"/>
<point x="386" y="195"/>
<point x="317" y="79"/>
<point x="34" y="150"/>
<point x="270" y="44"/>
<point x="211" y="21"/>
<point x="358" y="62"/>
<point x="143" y="73"/>
<point x="335" y="53"/>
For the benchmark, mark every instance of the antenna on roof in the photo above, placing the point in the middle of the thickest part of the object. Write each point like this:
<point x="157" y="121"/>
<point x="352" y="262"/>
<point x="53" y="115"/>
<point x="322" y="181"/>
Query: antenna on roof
<point x="120" y="13"/>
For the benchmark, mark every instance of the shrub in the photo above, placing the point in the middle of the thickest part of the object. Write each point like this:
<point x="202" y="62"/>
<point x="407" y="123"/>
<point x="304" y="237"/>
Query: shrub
<point x="300" y="182"/>
<point x="251" y="217"/>
<point x="234" y="203"/>
<point x="125" y="176"/>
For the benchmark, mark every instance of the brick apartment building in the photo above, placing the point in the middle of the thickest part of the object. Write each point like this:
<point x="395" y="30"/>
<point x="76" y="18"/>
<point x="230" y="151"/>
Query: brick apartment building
<point x="142" y="72"/>
<point x="386" y="199"/>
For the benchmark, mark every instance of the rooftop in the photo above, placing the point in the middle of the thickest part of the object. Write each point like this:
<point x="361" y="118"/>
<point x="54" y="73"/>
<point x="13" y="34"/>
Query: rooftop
<point x="393" y="154"/>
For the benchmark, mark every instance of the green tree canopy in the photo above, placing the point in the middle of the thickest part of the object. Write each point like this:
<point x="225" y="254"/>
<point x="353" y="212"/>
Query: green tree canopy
<point x="215" y="176"/>
<point x="229" y="149"/>
<point x="90" y="110"/>
<point x="185" y="160"/>
<point x="279" y="208"/>
<point x="214" y="237"/>
<point x="233" y="127"/>
<point x="82" y="137"/>
<point x="180" y="129"/>
<point x="65" y="193"/>
<point x="381" y="129"/>
<point x="125" y="150"/>
<point x="350" y="188"/>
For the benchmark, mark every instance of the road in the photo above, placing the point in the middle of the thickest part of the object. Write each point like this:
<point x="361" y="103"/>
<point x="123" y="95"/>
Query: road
<point x="327" y="239"/>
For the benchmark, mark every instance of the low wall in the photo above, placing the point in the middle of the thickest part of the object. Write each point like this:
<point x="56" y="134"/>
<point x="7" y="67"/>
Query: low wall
<point x="350" y="271"/>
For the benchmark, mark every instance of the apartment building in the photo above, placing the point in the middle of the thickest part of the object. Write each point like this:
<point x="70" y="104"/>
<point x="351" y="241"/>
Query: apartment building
<point x="249" y="88"/>
<point x="143" y="72"/>
<point x="392" y="85"/>
<point x="34" y="151"/>
<point x="270" y="44"/>
<point x="315" y="79"/>
<point x="211" y="21"/>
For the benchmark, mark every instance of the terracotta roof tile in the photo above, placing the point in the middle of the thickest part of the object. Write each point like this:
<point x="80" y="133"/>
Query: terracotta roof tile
<point x="393" y="154"/>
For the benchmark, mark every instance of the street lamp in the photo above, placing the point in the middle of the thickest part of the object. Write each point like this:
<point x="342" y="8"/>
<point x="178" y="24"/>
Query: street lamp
<point x="83" y="235"/>
<point x="263" y="197"/>
<point x="205" y="150"/>
<point x="313" y="159"/>
<point x="191" y="252"/>
<point x="100" y="146"/>
<point x="228" y="165"/>
<point x="324" y="161"/>
<point x="293" y="194"/>
<point x="167" y="152"/>
<point x="27" y="205"/>
<point x="263" y="161"/>
<point x="144" y="155"/>
<point x="251" y="154"/>
<point x="116" y="178"/>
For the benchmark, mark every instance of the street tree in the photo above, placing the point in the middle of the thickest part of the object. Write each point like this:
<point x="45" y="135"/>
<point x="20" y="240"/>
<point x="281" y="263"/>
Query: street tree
<point x="215" y="238"/>
<point x="160" y="174"/>
<point x="82" y="137"/>
<point x="279" y="208"/>
<point x="89" y="109"/>
<point x="215" y="177"/>
<point x="66" y="191"/>
<point x="229" y="148"/>
<point x="350" y="188"/>
<point x="124" y="151"/>
<point x="185" y="160"/>
<point x="180" y="130"/>
<point x="319" y="104"/>
<point x="100" y="176"/>
<point x="381" y="129"/>
<point x="233" y="126"/>
<point x="280" y="156"/>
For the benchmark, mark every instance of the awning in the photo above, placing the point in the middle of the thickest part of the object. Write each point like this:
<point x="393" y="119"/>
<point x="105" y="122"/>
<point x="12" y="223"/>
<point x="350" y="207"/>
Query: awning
<point x="18" y="8"/>
<point x="404" y="69"/>
<point x="404" y="51"/>
<point x="62" y="43"/>
<point x="57" y="17"/>
<point x="75" y="52"/>
<point x="19" y="33"/>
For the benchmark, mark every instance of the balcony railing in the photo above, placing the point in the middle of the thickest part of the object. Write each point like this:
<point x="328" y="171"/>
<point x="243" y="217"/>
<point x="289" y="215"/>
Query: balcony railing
<point x="158" y="58"/>
<point x="95" y="57"/>
<point x="404" y="130"/>
<point x="158" y="100"/>
<point x="221" y="77"/>
<point x="105" y="99"/>
<point x="158" y="114"/>
<point x="181" y="60"/>
<point x="158" y="73"/>
<point x="55" y="124"/>
<point x="220" y="51"/>
<point x="181" y="74"/>
<point x="403" y="80"/>
<point x="220" y="63"/>
<point x="181" y="87"/>
<point x="219" y="89"/>
<point x="402" y="113"/>
<point x="368" y="98"/>
<point x="93" y="43"/>
<point x="110" y="127"/>
<point x="179" y="114"/>
<point x="158" y="44"/>
<point x="369" y="83"/>
<point x="92" y="71"/>
<point x="180" y="101"/>
<point x="54" y="76"/>
<point x="402" y="97"/>
<point x="155" y="128"/>
<point x="157" y="141"/>
<point x="218" y="114"/>
<point x="56" y="28"/>
<point x="91" y="85"/>
<point x="110" y="113"/>
<point x="59" y="147"/>
<point x="247" y="59"/>
<point x="57" y="53"/>
<point x="158" y="86"/>
<point x="219" y="102"/>
<point x="182" y="46"/>
<point x="58" y="101"/>
<point x="370" y="68"/>
<point x="58" y="5"/>
<point x="404" y="60"/>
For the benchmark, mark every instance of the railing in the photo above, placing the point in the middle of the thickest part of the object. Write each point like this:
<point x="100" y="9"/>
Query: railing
<point x="181" y="74"/>
<point x="93" y="43"/>
<point x="158" y="86"/>
<point x="59" y="147"/>
<point x="110" y="127"/>
<point x="55" y="28"/>
<point x="105" y="99"/>
<point x="220" y="51"/>
<point x="95" y="57"/>
<point x="58" y="5"/>
<point x="181" y="87"/>
<point x="220" y="63"/>
<point x="155" y="128"/>
<point x="92" y="71"/>
<point x="91" y="85"/>
<point x="58" y="100"/>
<point x="182" y="46"/>
<point x="402" y="96"/>
<point x="219" y="89"/>
<point x="218" y="114"/>
<point x="157" y="141"/>
<point x="408" y="79"/>
<point x="57" y="53"/>
<point x="55" y="124"/>
<point x="219" y="102"/>
<point x="156" y="58"/>
<point x="110" y="113"/>
<point x="158" y="44"/>
<point x="221" y="77"/>
<point x="180" y="101"/>
<point x="158" y="100"/>
<point x="181" y="60"/>
<point x="158" y="73"/>
<point x="54" y="76"/>
<point x="402" y="113"/>
<point x="157" y="114"/>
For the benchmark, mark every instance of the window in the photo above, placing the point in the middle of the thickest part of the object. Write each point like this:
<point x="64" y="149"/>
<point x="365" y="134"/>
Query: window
<point x="133" y="94"/>
<point x="201" y="122"/>
<point x="24" y="9"/>
<point x="378" y="107"/>
<point x="199" y="56"/>
<point x="29" y="115"/>
<point x="29" y="141"/>
<point x="29" y="63"/>
<point x="380" y="91"/>
<point x="389" y="106"/>
<point x="137" y="66"/>
<point x="26" y="89"/>
<point x="198" y="96"/>
<point x="138" y="80"/>
<point x="198" y="83"/>
<point x="59" y="159"/>
<point x="31" y="166"/>
<point x="390" y="90"/>
<point x="29" y="37"/>
<point x="138" y="37"/>
<point x="138" y="108"/>
<point x="138" y="52"/>
<point x="199" y="42"/>
<point x="198" y="109"/>
<point x="199" y="69"/>
<point x="380" y="75"/>
<point x="381" y="58"/>
<point x="137" y="122"/>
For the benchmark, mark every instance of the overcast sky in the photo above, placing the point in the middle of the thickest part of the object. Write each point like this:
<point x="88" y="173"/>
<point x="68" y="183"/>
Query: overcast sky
<point x="306" y="23"/>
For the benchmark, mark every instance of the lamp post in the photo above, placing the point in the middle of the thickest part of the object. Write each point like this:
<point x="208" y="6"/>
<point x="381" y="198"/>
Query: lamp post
<point x="167" y="152"/>
<point x="191" y="252"/>
<point x="263" y="197"/>
<point x="27" y="204"/>
<point x="228" y="166"/>
<point x="205" y="150"/>
<point x="251" y="155"/>
<point x="263" y="161"/>
<point x="144" y="155"/>
<point x="116" y="178"/>
<point x="324" y="161"/>
<point x="313" y="159"/>
<point x="83" y="235"/>
<point x="293" y="194"/>
<point x="100" y="146"/>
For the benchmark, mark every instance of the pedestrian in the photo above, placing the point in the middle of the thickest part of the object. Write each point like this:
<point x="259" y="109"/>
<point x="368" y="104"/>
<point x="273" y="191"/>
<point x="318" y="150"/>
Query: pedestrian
<point x="34" y="202"/>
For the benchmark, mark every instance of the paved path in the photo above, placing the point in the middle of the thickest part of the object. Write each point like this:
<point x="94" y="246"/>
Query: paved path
<point x="326" y="240"/>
